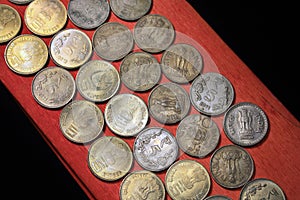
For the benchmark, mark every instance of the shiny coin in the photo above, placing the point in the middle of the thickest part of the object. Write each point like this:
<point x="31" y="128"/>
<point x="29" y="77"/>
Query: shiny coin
<point x="155" y="149"/>
<point x="187" y="179"/>
<point x="45" y="17"/>
<point x="53" y="87"/>
<point x="70" y="48"/>
<point x="153" y="33"/>
<point x="245" y="124"/>
<point x="140" y="71"/>
<point x="10" y="23"/>
<point x="20" y="1"/>
<point x="168" y="103"/>
<point x="231" y="166"/>
<point x="112" y="41"/>
<point x="217" y="197"/>
<point x="262" y="188"/>
<point x="211" y="93"/>
<point x="126" y="114"/>
<point x="197" y="135"/>
<point x="81" y="121"/>
<point x="142" y="184"/>
<point x="88" y="14"/>
<point x="97" y="80"/>
<point x="109" y="158"/>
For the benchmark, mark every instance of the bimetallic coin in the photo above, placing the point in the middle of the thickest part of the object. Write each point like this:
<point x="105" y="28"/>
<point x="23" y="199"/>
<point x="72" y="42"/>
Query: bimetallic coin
<point x="197" y="135"/>
<point x="211" y="93"/>
<point x="262" y="188"/>
<point x="81" y="121"/>
<point x="153" y="33"/>
<point x="187" y="179"/>
<point x="217" y="197"/>
<point x="245" y="124"/>
<point x="140" y="71"/>
<point x="10" y="23"/>
<point x="155" y="149"/>
<point x="109" y="158"/>
<point x="53" y="87"/>
<point x="112" y="41"/>
<point x="231" y="166"/>
<point x="168" y="103"/>
<point x="88" y="14"/>
<point x="26" y="54"/>
<point x="45" y="17"/>
<point x="142" y="184"/>
<point x="21" y="2"/>
<point x="126" y="114"/>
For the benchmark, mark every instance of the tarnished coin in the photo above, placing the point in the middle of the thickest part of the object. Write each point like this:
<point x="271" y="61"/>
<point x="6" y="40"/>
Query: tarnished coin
<point x="112" y="41"/>
<point x="245" y="124"/>
<point x="97" y="80"/>
<point x="26" y="54"/>
<point x="53" y="87"/>
<point x="45" y="17"/>
<point x="217" y="197"/>
<point x="88" y="14"/>
<point x="81" y="121"/>
<point x="155" y="149"/>
<point x="197" y="135"/>
<point x="140" y="71"/>
<point x="21" y="2"/>
<point x="130" y="10"/>
<point x="187" y="179"/>
<point x="70" y="48"/>
<point x="153" y="33"/>
<point x="262" y="188"/>
<point x="10" y="23"/>
<point x="109" y="158"/>
<point x="168" y="103"/>
<point x="142" y="184"/>
<point x="181" y="63"/>
<point x="231" y="166"/>
<point x="211" y="93"/>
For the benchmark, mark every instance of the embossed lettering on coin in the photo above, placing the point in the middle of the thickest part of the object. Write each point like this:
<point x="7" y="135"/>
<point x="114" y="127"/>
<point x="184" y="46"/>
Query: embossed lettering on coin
<point x="10" y="23"/>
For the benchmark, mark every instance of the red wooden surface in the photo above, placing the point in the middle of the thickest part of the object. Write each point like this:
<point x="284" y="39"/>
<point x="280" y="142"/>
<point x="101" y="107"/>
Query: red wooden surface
<point x="275" y="158"/>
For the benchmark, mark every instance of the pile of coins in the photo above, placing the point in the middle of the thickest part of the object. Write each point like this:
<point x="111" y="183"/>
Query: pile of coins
<point x="127" y="115"/>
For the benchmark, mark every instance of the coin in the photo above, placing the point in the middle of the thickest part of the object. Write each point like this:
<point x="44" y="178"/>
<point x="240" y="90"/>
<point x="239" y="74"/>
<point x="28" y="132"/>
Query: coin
<point x="142" y="184"/>
<point x="245" y="124"/>
<point x="109" y="158"/>
<point x="112" y="41"/>
<point x="211" y="93"/>
<point x="187" y="179"/>
<point x="197" y="135"/>
<point x="155" y="149"/>
<point x="70" y="48"/>
<point x="21" y="2"/>
<point x="262" y="188"/>
<point x="97" y="80"/>
<point x="26" y="54"/>
<point x="168" y="103"/>
<point x="126" y="114"/>
<point x="10" y="23"/>
<point x="217" y="197"/>
<point x="81" y="121"/>
<point x="53" y="87"/>
<point x="88" y="14"/>
<point x="153" y="33"/>
<point x="45" y="17"/>
<point x="130" y="10"/>
<point x="231" y="166"/>
<point x="140" y="71"/>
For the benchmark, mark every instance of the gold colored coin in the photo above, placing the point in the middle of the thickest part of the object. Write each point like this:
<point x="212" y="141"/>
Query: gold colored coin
<point x="45" y="17"/>
<point x="26" y="54"/>
<point x="10" y="23"/>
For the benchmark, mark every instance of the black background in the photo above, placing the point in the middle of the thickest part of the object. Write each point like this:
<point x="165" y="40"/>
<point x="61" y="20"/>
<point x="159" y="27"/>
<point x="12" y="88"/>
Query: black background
<point x="31" y="170"/>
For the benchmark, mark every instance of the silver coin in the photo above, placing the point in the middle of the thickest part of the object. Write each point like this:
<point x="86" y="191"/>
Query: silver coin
<point x="88" y="14"/>
<point x="53" y="87"/>
<point x="245" y="124"/>
<point x="211" y="93"/>
<point x="155" y="149"/>
<point x="126" y="114"/>
<point x="21" y="2"/>
<point x="217" y="197"/>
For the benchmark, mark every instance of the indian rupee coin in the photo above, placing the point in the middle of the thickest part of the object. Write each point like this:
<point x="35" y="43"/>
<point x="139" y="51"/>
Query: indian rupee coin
<point x="20" y="2"/>
<point x="217" y="197"/>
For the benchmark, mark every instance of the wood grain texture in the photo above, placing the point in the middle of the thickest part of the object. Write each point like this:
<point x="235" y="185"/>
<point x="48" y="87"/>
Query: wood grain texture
<point x="274" y="158"/>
